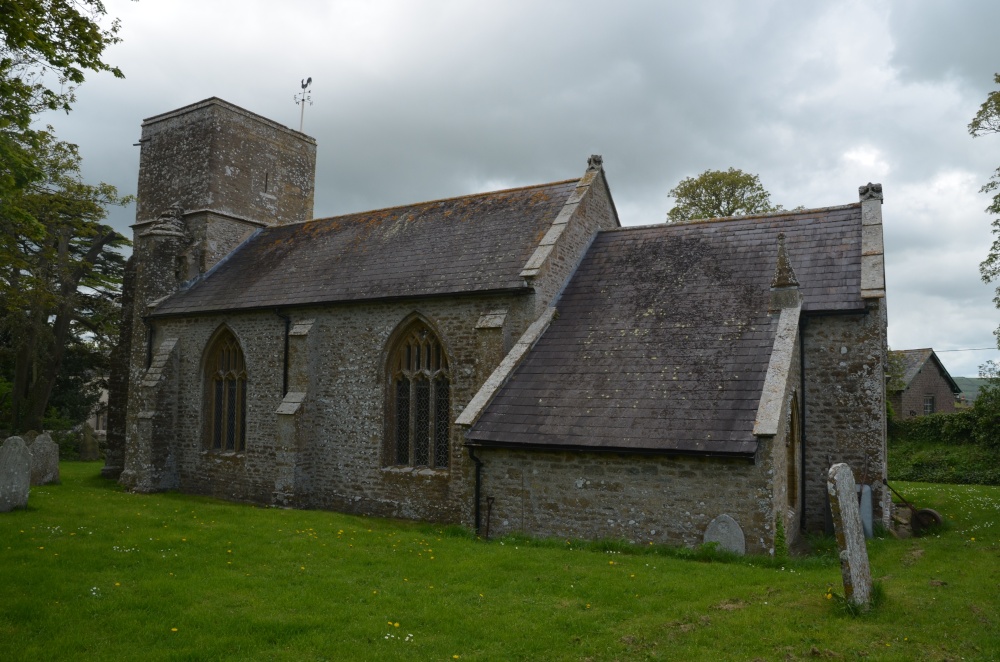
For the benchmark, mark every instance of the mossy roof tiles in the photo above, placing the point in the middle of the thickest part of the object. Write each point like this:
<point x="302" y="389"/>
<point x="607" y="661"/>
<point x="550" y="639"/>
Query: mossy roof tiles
<point x="663" y="338"/>
<point x="474" y="243"/>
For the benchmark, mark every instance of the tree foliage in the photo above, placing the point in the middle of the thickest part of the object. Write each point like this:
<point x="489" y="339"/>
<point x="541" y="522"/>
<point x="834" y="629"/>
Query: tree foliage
<point x="59" y="287"/>
<point x="987" y="121"/>
<point x="46" y="46"/>
<point x="720" y="193"/>
<point x="59" y="270"/>
<point x="49" y="42"/>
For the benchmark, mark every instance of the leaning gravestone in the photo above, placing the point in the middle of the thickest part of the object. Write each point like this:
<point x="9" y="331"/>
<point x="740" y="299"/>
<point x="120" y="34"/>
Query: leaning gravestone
<point x="726" y="531"/>
<point x="15" y="474"/>
<point x="850" y="535"/>
<point x="44" y="460"/>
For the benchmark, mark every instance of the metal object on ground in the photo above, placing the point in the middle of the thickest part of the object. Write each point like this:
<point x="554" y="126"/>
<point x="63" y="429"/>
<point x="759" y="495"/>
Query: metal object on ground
<point x="921" y="519"/>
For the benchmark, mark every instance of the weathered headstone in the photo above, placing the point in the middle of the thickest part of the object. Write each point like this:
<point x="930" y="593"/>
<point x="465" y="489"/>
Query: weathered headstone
<point x="44" y="460"/>
<point x="850" y="536"/>
<point x="15" y="474"/>
<point x="89" y="449"/>
<point x="726" y="531"/>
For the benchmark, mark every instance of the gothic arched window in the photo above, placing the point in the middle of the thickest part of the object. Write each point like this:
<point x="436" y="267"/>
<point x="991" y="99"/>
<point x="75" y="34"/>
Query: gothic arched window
<point x="419" y="400"/>
<point x="226" y="394"/>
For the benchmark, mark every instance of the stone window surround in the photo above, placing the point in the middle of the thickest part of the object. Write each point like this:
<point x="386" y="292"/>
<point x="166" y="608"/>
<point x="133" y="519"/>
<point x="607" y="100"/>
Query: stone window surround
<point x="437" y="370"/>
<point x="224" y="338"/>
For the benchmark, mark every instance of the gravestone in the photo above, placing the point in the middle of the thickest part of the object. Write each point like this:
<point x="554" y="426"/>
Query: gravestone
<point x="726" y="531"/>
<point x="15" y="474"/>
<point x="89" y="449"/>
<point x="850" y="535"/>
<point x="44" y="460"/>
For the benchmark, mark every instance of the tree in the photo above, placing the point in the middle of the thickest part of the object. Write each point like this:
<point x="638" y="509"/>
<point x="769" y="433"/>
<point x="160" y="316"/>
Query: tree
<point x="58" y="268"/>
<point x="45" y="48"/>
<point x="720" y="193"/>
<point x="987" y="120"/>
<point x="58" y="287"/>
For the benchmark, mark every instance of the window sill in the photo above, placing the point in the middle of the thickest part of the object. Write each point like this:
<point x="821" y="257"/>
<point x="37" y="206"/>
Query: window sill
<point x="223" y="455"/>
<point x="415" y="471"/>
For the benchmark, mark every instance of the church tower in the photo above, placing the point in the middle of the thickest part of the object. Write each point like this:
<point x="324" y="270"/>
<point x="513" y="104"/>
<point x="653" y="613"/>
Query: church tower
<point x="210" y="175"/>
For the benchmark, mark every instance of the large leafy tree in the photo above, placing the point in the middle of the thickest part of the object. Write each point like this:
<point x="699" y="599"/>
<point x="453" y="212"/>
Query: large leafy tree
<point x="58" y="267"/>
<point x="59" y="287"/>
<point x="987" y="121"/>
<point x="46" y="46"/>
<point x="719" y="193"/>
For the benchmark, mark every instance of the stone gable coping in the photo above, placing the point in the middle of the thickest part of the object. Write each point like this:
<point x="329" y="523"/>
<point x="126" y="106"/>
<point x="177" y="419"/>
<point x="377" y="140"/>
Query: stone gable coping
<point x="778" y="368"/>
<point x="548" y="243"/>
<point x="514" y="357"/>
<point x="872" y="249"/>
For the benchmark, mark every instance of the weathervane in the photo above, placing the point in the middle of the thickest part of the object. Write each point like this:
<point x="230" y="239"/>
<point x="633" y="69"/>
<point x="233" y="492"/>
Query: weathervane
<point x="302" y="98"/>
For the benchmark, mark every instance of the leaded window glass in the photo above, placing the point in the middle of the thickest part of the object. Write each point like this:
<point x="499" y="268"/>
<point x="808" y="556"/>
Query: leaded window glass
<point x="420" y="417"/>
<point x="226" y="390"/>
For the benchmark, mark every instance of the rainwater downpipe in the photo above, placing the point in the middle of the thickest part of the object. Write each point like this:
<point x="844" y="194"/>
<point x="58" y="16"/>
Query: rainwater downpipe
<point x="802" y="419"/>
<point x="284" y="372"/>
<point x="479" y="474"/>
<point x="149" y="341"/>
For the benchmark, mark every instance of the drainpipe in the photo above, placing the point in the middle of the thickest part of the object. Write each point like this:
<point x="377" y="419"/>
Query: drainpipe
<point x="149" y="341"/>
<point x="284" y="374"/>
<point x="479" y="474"/>
<point x="802" y="420"/>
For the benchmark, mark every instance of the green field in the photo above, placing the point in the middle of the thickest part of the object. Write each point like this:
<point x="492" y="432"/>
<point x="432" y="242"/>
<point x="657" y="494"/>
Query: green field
<point x="91" y="572"/>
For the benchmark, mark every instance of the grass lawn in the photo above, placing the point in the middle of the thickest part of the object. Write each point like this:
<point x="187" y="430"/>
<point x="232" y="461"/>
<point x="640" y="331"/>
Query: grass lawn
<point x="90" y="572"/>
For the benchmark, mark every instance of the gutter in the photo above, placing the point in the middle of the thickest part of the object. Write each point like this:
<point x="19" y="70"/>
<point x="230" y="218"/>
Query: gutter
<point x="478" y="488"/>
<point x="284" y="373"/>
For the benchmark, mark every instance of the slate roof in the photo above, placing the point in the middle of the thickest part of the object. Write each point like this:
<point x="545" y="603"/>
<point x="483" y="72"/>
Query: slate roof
<point x="662" y="339"/>
<point x="474" y="243"/>
<point x="913" y="361"/>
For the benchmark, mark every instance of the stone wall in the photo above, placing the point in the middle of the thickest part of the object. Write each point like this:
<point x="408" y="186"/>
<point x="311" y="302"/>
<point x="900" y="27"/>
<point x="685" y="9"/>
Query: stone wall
<point x="328" y="450"/>
<point x="844" y="405"/>
<point x="640" y="498"/>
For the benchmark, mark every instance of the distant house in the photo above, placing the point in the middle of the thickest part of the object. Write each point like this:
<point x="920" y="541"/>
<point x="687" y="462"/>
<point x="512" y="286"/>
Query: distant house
<point x="970" y="388"/>
<point x="928" y="388"/>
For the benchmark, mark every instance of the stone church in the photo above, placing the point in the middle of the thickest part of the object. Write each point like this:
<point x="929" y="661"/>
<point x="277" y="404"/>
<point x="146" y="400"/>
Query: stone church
<point x="508" y="361"/>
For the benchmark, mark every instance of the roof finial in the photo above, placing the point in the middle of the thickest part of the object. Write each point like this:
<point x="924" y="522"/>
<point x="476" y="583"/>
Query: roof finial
<point x="784" y="275"/>
<point x="595" y="162"/>
<point x="870" y="192"/>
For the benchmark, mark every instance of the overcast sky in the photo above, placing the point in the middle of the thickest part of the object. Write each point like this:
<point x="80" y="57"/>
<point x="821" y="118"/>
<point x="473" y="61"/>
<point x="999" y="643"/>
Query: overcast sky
<point x="418" y="100"/>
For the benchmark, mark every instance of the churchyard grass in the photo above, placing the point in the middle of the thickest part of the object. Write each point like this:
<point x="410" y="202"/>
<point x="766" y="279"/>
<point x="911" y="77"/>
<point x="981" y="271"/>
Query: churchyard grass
<point x="90" y="572"/>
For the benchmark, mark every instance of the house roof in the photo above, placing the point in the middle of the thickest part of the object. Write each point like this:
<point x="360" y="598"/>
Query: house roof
<point x="663" y="337"/>
<point x="474" y="243"/>
<point x="913" y="361"/>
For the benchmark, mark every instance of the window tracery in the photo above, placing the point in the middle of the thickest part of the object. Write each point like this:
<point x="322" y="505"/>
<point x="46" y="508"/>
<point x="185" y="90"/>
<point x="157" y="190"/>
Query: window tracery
<point x="420" y="405"/>
<point x="226" y="394"/>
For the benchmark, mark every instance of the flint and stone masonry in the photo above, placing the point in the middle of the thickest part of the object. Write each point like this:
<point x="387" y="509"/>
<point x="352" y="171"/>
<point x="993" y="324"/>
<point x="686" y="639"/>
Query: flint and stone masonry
<point x="635" y="383"/>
